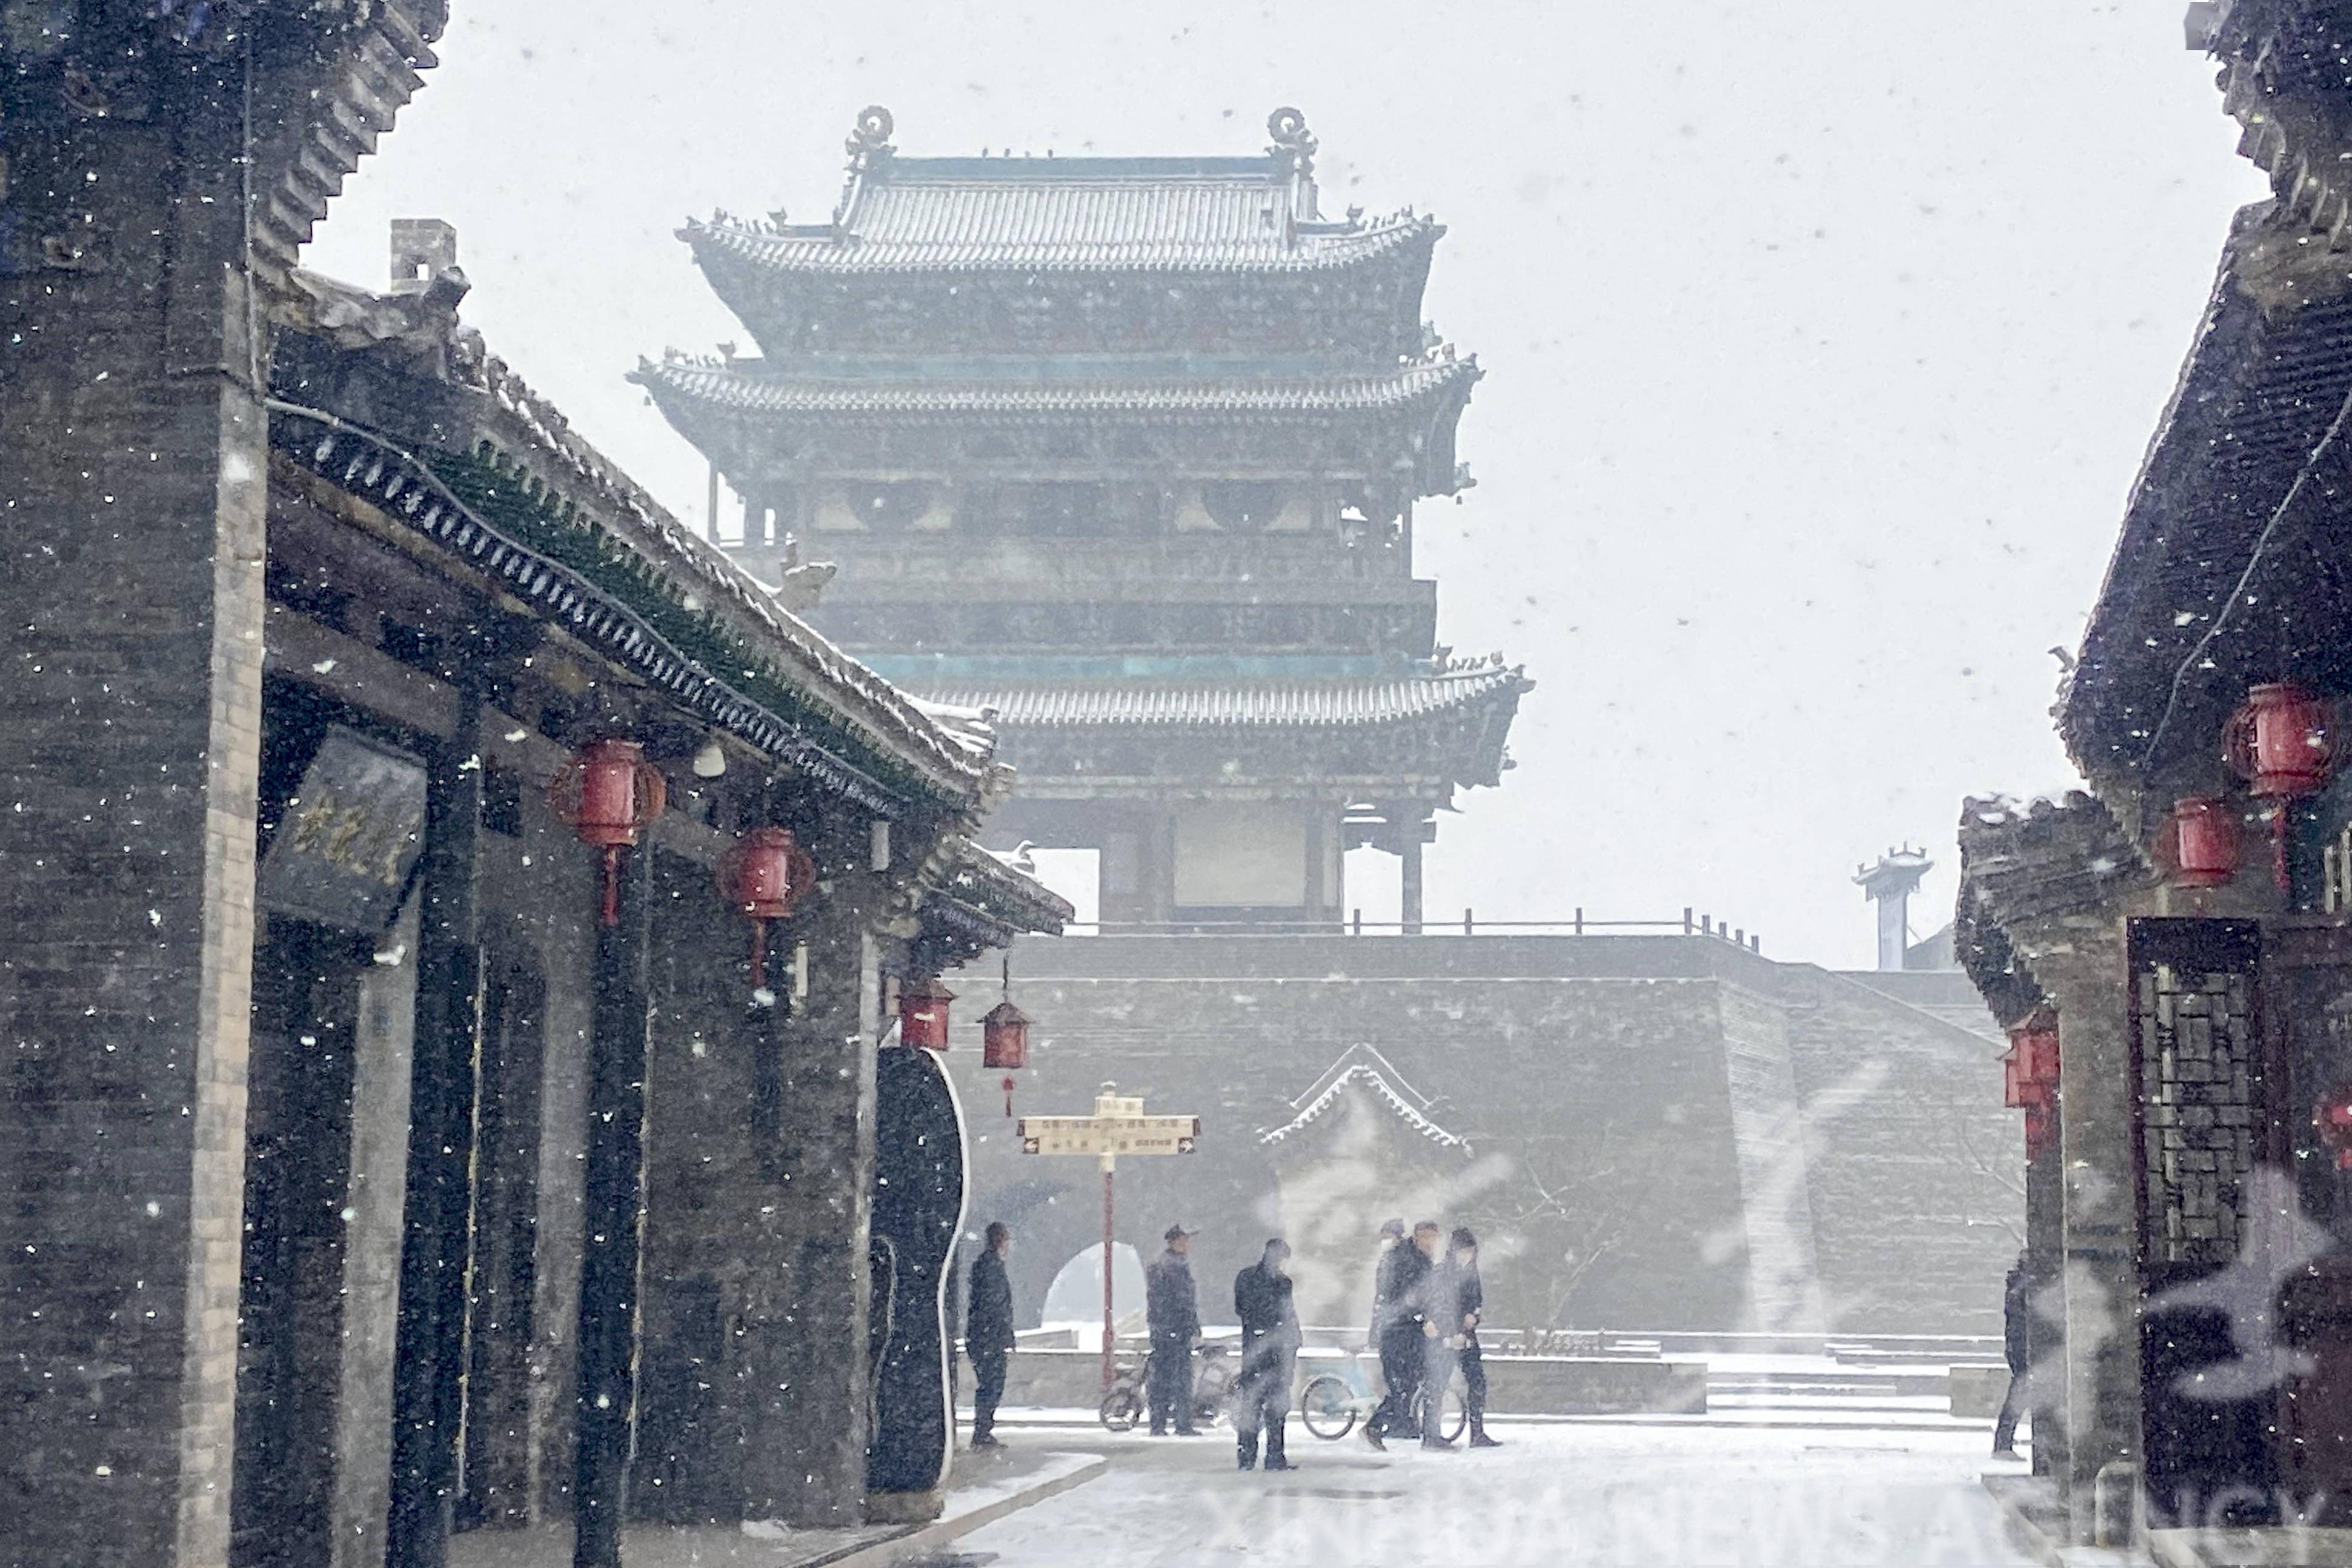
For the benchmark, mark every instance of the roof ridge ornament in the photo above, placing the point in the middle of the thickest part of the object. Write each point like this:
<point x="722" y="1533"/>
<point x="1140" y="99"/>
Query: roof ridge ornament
<point x="1294" y="146"/>
<point x="869" y="139"/>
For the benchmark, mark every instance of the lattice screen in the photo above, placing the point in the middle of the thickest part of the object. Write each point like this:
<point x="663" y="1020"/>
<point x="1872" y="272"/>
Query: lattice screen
<point x="2197" y="1060"/>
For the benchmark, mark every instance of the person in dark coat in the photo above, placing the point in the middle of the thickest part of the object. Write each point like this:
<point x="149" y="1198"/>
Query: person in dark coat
<point x="1466" y="1304"/>
<point x="1269" y="1356"/>
<point x="1404" y="1333"/>
<point x="1172" y="1308"/>
<point x="988" y="1331"/>
<point x="1391" y="1238"/>
<point x="2017" y="1350"/>
<point x="1441" y="1342"/>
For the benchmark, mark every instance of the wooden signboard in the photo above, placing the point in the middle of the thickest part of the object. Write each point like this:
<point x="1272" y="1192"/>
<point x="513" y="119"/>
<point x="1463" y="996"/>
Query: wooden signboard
<point x="350" y="838"/>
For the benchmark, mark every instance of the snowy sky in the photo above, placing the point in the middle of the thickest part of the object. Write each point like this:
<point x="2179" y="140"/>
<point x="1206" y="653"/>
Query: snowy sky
<point x="1822" y="343"/>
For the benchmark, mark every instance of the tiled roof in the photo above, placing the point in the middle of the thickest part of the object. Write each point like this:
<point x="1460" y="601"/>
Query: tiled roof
<point x="2210" y="528"/>
<point x="1361" y="1064"/>
<point x="726" y="386"/>
<point x="534" y="438"/>
<point x="1065" y="215"/>
<point x="1320" y="704"/>
<point x="830" y="676"/>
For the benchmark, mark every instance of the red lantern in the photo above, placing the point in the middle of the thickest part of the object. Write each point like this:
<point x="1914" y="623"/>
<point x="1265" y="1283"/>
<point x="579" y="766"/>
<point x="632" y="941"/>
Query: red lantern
<point x="2282" y="741"/>
<point x="2199" y="842"/>
<point x="1004" y="1044"/>
<point x="608" y="794"/>
<point x="923" y="1013"/>
<point x="2333" y="1117"/>
<point x="2041" y="1127"/>
<point x="2030" y="1068"/>
<point x="763" y="875"/>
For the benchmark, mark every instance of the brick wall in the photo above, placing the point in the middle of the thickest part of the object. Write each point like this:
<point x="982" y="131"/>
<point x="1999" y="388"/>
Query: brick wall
<point x="133" y="593"/>
<point x="1916" y="1172"/>
<point x="1634" y="1101"/>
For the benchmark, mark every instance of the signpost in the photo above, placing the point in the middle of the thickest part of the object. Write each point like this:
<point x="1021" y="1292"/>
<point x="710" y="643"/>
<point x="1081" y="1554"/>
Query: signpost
<point x="1118" y="1127"/>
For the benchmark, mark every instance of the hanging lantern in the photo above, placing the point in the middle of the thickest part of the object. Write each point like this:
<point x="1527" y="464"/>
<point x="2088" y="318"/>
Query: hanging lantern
<point x="762" y="876"/>
<point x="1004" y="1044"/>
<point x="2333" y="1117"/>
<point x="2282" y="741"/>
<point x="2029" y="1071"/>
<point x="2040" y="1128"/>
<point x="2029" y="1068"/>
<point x="923" y="1013"/>
<point x="2198" y="845"/>
<point x="608" y="794"/>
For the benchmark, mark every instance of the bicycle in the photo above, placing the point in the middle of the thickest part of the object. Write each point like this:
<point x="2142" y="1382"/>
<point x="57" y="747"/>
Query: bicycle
<point x="1123" y="1405"/>
<point x="1332" y="1403"/>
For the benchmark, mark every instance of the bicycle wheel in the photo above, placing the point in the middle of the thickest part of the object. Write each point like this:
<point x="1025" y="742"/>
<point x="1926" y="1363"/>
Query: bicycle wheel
<point x="1327" y="1407"/>
<point x="1119" y="1408"/>
<point x="1456" y="1412"/>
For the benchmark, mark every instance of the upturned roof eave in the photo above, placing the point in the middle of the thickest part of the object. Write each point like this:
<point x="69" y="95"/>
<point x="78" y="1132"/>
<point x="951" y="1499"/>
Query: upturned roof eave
<point x="1471" y="729"/>
<point x="783" y="253"/>
<point x="1162" y="705"/>
<point x="2247" y="421"/>
<point x="1440" y="385"/>
<point x="476" y="402"/>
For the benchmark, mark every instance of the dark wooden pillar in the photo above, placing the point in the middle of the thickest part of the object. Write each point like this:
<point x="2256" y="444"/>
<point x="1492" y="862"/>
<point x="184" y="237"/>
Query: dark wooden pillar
<point x="1409" y="878"/>
<point x="424" y="1391"/>
<point x="611" y="1213"/>
<point x="1159" y="851"/>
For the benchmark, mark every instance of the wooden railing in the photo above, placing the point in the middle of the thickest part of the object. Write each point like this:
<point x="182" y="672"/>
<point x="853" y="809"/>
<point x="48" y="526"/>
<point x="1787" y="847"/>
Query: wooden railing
<point x="1691" y="924"/>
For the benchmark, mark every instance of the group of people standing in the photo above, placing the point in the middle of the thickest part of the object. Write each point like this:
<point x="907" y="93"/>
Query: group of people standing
<point x="1261" y="1390"/>
<point x="1426" y="1305"/>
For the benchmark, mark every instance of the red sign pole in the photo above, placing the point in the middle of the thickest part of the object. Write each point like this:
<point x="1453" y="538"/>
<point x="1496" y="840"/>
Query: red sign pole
<point x="1109" y="1341"/>
<point x="1118" y="1127"/>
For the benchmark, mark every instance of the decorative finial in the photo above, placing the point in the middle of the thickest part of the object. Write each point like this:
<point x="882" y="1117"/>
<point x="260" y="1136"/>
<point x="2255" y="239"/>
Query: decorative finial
<point x="1294" y="145"/>
<point x="869" y="139"/>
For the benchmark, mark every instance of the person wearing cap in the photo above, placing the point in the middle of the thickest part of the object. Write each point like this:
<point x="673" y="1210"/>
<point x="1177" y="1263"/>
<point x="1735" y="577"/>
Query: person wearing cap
<point x="1463" y="1299"/>
<point x="1172" y="1308"/>
<point x="1269" y="1356"/>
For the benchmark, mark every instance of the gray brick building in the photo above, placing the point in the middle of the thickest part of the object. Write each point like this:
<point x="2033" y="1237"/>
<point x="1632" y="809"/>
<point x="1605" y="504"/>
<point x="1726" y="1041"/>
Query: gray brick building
<point x="336" y="1119"/>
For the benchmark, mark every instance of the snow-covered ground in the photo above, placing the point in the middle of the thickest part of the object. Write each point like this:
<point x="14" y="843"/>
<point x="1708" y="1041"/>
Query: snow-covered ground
<point x="1557" y="1496"/>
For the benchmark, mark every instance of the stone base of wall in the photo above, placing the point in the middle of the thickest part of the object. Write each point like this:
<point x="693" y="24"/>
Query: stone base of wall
<point x="1579" y="1386"/>
<point x="1977" y="1390"/>
<point x="1518" y="1385"/>
<point x="1047" y="1379"/>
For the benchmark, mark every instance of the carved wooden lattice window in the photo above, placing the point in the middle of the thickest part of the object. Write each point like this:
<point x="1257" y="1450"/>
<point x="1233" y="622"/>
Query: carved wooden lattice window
<point x="2335" y="861"/>
<point x="2199" y="1074"/>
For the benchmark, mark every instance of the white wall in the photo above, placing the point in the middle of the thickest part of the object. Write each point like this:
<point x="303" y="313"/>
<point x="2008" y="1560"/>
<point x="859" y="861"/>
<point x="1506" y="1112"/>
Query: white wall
<point x="1233" y="852"/>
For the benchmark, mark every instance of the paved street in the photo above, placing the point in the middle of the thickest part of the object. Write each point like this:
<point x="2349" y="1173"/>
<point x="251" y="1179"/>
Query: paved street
<point x="1558" y="1495"/>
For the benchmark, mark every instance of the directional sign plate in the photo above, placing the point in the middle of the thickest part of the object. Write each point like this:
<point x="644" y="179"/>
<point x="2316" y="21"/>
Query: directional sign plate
<point x="1108" y="1135"/>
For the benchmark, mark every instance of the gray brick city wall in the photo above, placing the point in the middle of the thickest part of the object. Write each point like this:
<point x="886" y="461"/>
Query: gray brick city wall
<point x="1595" y="1080"/>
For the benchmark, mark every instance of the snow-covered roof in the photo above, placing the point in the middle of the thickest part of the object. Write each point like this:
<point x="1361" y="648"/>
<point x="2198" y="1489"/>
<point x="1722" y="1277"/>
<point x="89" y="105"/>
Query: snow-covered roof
<point x="1361" y="1064"/>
